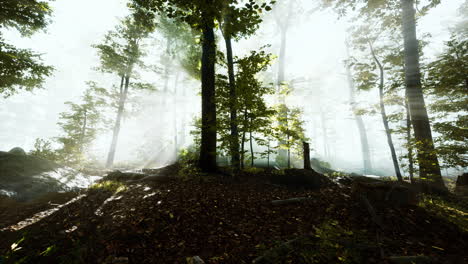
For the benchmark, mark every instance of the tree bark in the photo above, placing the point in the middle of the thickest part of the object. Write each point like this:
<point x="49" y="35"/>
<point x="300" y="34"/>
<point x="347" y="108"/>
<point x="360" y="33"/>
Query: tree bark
<point x="429" y="167"/>
<point x="289" y="153"/>
<point x="242" y="154"/>
<point x="167" y="65"/>
<point x="307" y="165"/>
<point x="234" y="142"/>
<point x="207" y="162"/>
<point x="251" y="147"/>
<point x="116" y="131"/>
<point x="175" y="117"/>
<point x="384" y="116"/>
<point x="359" y="122"/>
<point x="268" y="155"/>
<point x="284" y="26"/>
<point x="410" y="145"/>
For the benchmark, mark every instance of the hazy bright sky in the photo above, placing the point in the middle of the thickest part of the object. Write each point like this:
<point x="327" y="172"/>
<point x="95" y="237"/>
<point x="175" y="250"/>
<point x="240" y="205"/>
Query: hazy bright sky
<point x="315" y="48"/>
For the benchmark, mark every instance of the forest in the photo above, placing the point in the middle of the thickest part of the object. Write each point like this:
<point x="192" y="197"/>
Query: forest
<point x="234" y="131"/>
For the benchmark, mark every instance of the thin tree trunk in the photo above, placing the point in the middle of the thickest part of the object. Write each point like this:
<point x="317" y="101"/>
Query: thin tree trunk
<point x="284" y="26"/>
<point x="384" y="116"/>
<point x="289" y="153"/>
<point x="268" y="155"/>
<point x="234" y="142"/>
<point x="83" y="130"/>
<point x="167" y="66"/>
<point x="410" y="145"/>
<point x="244" y="131"/>
<point x="429" y="167"/>
<point x="251" y="148"/>
<point x="359" y="121"/>
<point x="242" y="154"/>
<point x="116" y="131"/>
<point x="207" y="160"/>
<point x="175" y="117"/>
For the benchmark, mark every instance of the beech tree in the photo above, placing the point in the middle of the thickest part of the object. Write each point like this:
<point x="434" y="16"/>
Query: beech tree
<point x="203" y="16"/>
<point x="367" y="163"/>
<point x="401" y="13"/>
<point x="365" y="38"/>
<point x="80" y="125"/>
<point x="120" y="54"/>
<point x="447" y="85"/>
<point x="289" y="130"/>
<point x="237" y="23"/>
<point x="253" y="113"/>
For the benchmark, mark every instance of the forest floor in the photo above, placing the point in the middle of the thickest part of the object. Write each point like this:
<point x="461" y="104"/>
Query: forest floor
<point x="171" y="219"/>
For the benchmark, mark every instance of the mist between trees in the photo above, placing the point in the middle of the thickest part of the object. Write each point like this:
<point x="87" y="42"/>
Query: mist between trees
<point x="220" y="81"/>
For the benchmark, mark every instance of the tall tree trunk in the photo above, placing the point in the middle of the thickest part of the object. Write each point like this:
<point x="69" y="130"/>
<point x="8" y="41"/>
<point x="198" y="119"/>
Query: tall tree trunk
<point x="175" y="117"/>
<point x="251" y="147"/>
<point x="167" y="65"/>
<point x="207" y="160"/>
<point x="384" y="116"/>
<point x="244" y="131"/>
<point x="429" y="167"/>
<point x="234" y="142"/>
<point x="410" y="145"/>
<point x="283" y="26"/>
<point x="268" y="154"/>
<point x="366" y="158"/>
<point x="289" y="153"/>
<point x="242" y="154"/>
<point x="116" y="131"/>
<point x="83" y="130"/>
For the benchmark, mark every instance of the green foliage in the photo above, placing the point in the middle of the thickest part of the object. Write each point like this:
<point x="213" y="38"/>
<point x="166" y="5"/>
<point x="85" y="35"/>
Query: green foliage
<point x="111" y="186"/>
<point x="80" y="126"/>
<point x="253" y="113"/>
<point x="447" y="85"/>
<point x="188" y="160"/>
<point x="197" y="14"/>
<point x="26" y="16"/>
<point x="289" y="129"/>
<point x="43" y="149"/>
<point x="22" y="68"/>
<point x="387" y="10"/>
<point x="454" y="212"/>
<point x="183" y="45"/>
<point x="121" y="49"/>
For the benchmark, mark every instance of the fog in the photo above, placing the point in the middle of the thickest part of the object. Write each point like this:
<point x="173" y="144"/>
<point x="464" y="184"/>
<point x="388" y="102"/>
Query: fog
<point x="315" y="58"/>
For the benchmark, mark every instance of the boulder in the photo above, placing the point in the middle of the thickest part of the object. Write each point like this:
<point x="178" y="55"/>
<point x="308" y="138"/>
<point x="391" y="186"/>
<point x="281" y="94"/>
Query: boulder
<point x="25" y="177"/>
<point x="17" y="151"/>
<point x="300" y="178"/>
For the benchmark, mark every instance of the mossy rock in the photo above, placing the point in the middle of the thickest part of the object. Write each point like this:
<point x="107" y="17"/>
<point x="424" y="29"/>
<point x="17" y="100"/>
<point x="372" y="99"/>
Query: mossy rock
<point x="14" y="167"/>
<point x="17" y="151"/>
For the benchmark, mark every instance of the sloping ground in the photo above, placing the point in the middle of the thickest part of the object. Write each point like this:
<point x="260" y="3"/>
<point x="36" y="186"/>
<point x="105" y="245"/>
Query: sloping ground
<point x="26" y="178"/>
<point x="166" y="220"/>
<point x="12" y="211"/>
